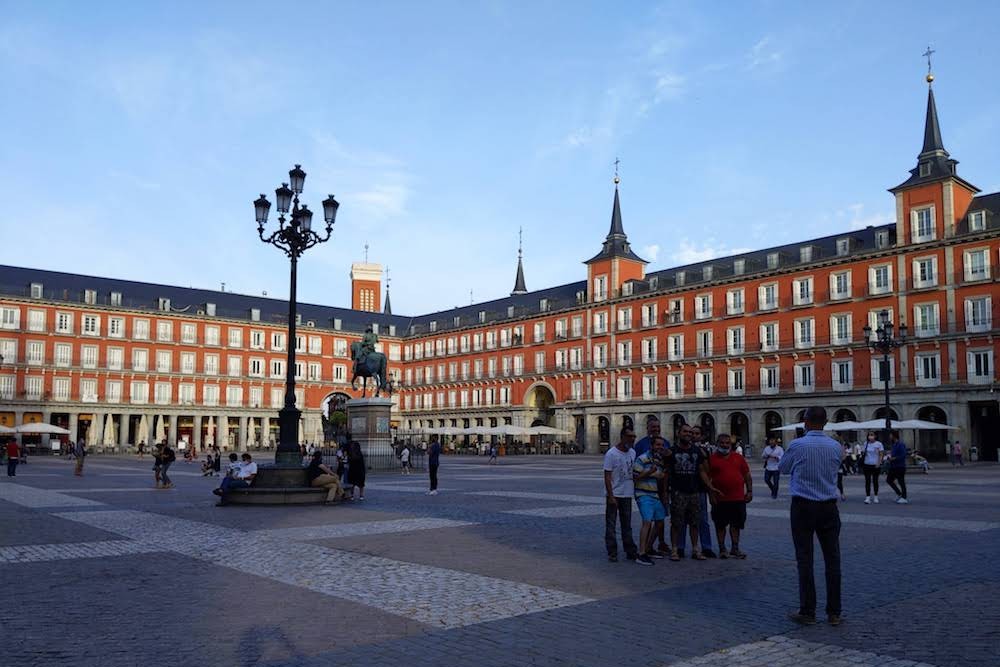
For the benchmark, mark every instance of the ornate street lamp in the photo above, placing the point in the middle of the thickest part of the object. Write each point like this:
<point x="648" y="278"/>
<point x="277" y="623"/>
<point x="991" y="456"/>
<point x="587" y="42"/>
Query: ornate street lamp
<point x="883" y="341"/>
<point x="294" y="236"/>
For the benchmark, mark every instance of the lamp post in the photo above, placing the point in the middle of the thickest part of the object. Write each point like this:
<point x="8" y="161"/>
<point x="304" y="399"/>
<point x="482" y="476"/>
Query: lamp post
<point x="294" y="236"/>
<point x="883" y="341"/>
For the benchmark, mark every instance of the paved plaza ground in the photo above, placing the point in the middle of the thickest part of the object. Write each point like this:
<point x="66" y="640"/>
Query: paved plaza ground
<point x="505" y="567"/>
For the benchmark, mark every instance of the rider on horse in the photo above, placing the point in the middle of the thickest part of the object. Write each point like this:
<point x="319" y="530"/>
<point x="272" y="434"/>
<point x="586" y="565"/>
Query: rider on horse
<point x="368" y="342"/>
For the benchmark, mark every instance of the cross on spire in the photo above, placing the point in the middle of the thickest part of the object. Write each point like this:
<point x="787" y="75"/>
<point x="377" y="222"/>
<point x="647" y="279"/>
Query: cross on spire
<point x="927" y="54"/>
<point x="387" y="279"/>
<point x="366" y="253"/>
<point x="519" y="229"/>
<point x="617" y="162"/>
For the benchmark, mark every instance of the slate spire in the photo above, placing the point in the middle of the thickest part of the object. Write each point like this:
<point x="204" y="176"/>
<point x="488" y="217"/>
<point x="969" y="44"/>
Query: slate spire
<point x="932" y="129"/>
<point x="388" y="307"/>
<point x="519" y="286"/>
<point x="616" y="242"/>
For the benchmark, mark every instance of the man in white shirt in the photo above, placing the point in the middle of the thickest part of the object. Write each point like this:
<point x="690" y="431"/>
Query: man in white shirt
<point x="619" y="489"/>
<point x="772" y="456"/>
<point x="242" y="477"/>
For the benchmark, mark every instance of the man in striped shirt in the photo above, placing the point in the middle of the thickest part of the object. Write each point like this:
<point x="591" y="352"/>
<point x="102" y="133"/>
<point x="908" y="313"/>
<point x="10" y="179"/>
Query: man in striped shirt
<point x="812" y="462"/>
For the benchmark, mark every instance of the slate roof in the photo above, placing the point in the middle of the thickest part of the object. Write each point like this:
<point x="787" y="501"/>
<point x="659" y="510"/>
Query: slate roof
<point x="616" y="243"/>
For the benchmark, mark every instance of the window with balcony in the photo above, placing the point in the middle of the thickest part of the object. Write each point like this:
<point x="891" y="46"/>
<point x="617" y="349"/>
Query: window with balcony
<point x="977" y="264"/>
<point x="736" y="381"/>
<point x="575" y="390"/>
<point x="977" y="221"/>
<point x="35" y="352"/>
<point x="64" y="354"/>
<point x="880" y="279"/>
<point x="978" y="314"/>
<point x="139" y="392"/>
<point x="734" y="302"/>
<point x="703" y="306"/>
<point x="980" y="366"/>
<point x="927" y="369"/>
<point x="140" y="360"/>
<point x="600" y="323"/>
<point x="703" y="384"/>
<point x="675" y="385"/>
<point x="36" y="320"/>
<point x="840" y="329"/>
<point x="879" y="371"/>
<point x="600" y="391"/>
<point x="91" y="325"/>
<point x="624" y="319"/>
<point x="840" y="285"/>
<point x="648" y="350"/>
<point x="235" y="337"/>
<point x="189" y="333"/>
<point x="649" y="315"/>
<point x="600" y="356"/>
<point x="600" y="288"/>
<point x="88" y="356"/>
<point x="735" y="340"/>
<point x="211" y="335"/>
<point x="625" y="353"/>
<point x="805" y="377"/>
<point x="116" y="358"/>
<point x="88" y="390"/>
<point x="925" y="320"/>
<point x="210" y="395"/>
<point x="922" y="220"/>
<point x="769" y="337"/>
<point x="704" y="342"/>
<point x="925" y="272"/>
<point x="234" y="396"/>
<point x="7" y="384"/>
<point x="113" y="391"/>
<point x="60" y="389"/>
<point x="769" y="383"/>
<point x="164" y="331"/>
<point x="163" y="393"/>
<point x="804" y="333"/>
<point x="802" y="291"/>
<point x="64" y="324"/>
<point x="116" y="327"/>
<point x="164" y="361"/>
<point x="675" y="347"/>
<point x="767" y="296"/>
<point x="624" y="388"/>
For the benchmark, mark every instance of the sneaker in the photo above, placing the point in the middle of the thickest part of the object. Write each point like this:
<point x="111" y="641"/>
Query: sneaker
<point x="802" y="619"/>
<point x="736" y="553"/>
<point x="902" y="501"/>
<point x="664" y="550"/>
<point x="875" y="499"/>
<point x="723" y="554"/>
<point x="643" y="560"/>
<point x="612" y="558"/>
<point x="433" y="493"/>
<point x="868" y="500"/>
<point x="655" y="554"/>
<point x="834" y="619"/>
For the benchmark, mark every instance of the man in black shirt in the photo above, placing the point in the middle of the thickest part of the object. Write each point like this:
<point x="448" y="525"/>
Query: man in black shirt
<point x="688" y="475"/>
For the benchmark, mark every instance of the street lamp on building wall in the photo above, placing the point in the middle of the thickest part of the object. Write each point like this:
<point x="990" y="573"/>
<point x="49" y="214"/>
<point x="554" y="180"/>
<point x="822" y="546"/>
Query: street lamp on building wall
<point x="294" y="236"/>
<point x="883" y="341"/>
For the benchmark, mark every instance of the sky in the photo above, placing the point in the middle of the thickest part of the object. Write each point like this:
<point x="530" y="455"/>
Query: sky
<point x="137" y="134"/>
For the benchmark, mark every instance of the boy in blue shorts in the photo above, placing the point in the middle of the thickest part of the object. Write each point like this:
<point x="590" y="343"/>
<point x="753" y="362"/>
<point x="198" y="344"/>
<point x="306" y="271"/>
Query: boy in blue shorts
<point x="647" y="472"/>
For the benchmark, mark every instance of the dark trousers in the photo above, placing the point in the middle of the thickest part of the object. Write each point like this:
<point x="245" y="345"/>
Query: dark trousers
<point x="12" y="466"/>
<point x="772" y="479"/>
<point x="622" y="513"/>
<point x="871" y="478"/>
<point x="821" y="519"/>
<point x="233" y="483"/>
<point x="433" y="469"/>
<point x="897" y="475"/>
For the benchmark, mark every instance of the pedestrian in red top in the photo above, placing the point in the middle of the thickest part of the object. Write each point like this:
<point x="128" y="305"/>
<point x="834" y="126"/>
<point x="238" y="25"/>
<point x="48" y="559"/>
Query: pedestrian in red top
<point x="730" y="476"/>
<point x="13" y="457"/>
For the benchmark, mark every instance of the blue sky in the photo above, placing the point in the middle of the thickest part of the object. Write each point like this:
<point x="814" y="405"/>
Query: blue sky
<point x="138" y="134"/>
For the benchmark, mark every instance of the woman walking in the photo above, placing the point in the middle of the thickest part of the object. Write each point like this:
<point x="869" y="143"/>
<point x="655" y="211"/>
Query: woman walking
<point x="871" y="464"/>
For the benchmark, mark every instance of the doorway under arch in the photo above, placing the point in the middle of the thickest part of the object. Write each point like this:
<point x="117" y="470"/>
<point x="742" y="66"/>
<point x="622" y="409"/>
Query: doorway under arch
<point x="707" y="424"/>
<point x="676" y="422"/>
<point x="604" y="430"/>
<point x="540" y="399"/>
<point x="739" y="427"/>
<point x="772" y="421"/>
<point x="932" y="444"/>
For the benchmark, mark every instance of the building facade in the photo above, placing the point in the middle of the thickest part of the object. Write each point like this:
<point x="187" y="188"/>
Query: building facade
<point x="741" y="344"/>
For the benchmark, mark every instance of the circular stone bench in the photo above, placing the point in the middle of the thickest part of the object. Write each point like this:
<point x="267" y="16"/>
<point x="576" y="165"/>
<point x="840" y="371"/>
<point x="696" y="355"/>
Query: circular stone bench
<point x="276" y="485"/>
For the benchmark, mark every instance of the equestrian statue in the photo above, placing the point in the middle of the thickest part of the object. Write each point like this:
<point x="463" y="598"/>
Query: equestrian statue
<point x="369" y="364"/>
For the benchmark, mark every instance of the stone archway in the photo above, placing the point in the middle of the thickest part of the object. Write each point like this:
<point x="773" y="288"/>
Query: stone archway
<point x="334" y="417"/>
<point x="540" y="399"/>
<point x="931" y="444"/>
<point x="604" y="430"/>
<point x="707" y="424"/>
<point x="845" y="415"/>
<point x="739" y="427"/>
<point x="772" y="421"/>
<point x="880" y="414"/>
<point x="676" y="422"/>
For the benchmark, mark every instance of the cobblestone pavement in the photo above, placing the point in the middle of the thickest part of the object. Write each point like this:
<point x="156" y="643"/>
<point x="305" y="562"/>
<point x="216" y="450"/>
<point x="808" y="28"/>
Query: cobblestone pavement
<point x="505" y="567"/>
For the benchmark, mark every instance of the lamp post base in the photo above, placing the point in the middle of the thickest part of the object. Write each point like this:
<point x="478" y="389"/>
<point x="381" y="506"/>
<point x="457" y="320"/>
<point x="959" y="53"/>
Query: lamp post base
<point x="288" y="453"/>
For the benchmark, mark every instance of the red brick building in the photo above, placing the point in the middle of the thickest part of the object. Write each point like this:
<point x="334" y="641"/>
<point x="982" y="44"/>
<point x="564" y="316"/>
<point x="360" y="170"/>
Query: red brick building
<point x="740" y="344"/>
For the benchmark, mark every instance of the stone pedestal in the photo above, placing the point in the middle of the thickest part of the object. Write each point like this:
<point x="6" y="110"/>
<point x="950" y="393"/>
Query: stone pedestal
<point x="368" y="424"/>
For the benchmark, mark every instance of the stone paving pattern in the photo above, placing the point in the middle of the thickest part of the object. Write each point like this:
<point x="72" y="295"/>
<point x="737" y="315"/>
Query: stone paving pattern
<point x="505" y="567"/>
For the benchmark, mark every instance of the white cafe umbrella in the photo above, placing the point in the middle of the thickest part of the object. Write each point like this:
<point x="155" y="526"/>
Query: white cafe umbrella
<point x="161" y="430"/>
<point x="302" y="431"/>
<point x="39" y="427"/>
<point x="109" y="431"/>
<point x="91" y="435"/>
<point x="143" y="433"/>
<point x="210" y="432"/>
<point x="251" y="428"/>
<point x="546" y="430"/>
<point x="922" y="425"/>
<point x="224" y="432"/>
<point x="802" y="425"/>
<point x="878" y="424"/>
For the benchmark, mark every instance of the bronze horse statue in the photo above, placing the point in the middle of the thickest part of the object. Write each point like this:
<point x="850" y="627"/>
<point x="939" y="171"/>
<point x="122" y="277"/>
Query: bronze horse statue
<point x="371" y="365"/>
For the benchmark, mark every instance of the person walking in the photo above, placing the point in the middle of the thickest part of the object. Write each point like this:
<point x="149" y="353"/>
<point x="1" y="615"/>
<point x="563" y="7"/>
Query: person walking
<point x="433" y="461"/>
<point x="157" y="462"/>
<point x="772" y="456"/>
<point x="897" y="468"/>
<point x="167" y="456"/>
<point x="956" y="454"/>
<point x="812" y="461"/>
<point x="13" y="456"/>
<point x="79" y="452"/>
<point x="404" y="460"/>
<point x="619" y="489"/>
<point x="871" y="464"/>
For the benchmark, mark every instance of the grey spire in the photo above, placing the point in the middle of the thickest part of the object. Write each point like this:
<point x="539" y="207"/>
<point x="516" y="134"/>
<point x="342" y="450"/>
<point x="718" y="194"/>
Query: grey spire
<point x="616" y="243"/>
<point x="519" y="287"/>
<point x="388" y="308"/>
<point x="932" y="129"/>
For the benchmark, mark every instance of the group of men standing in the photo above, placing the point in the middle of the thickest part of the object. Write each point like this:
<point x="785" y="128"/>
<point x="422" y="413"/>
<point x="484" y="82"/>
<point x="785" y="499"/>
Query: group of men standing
<point x="685" y="478"/>
<point x="692" y="474"/>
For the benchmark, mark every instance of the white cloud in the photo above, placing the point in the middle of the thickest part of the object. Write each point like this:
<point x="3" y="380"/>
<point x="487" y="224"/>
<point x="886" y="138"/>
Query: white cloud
<point x="650" y="252"/>
<point x="382" y="200"/>
<point x="764" y="54"/>
<point x="689" y="252"/>
<point x="668" y="87"/>
<point x="858" y="218"/>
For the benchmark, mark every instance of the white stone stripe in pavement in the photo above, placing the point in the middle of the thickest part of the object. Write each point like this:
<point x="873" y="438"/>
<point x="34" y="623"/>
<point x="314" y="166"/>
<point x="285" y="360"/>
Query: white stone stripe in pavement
<point x="114" y="490"/>
<point x="328" y="531"/>
<point x="29" y="496"/>
<point x="786" y="651"/>
<point x="438" y="597"/>
<point x="37" y="553"/>
<point x="532" y="495"/>
<point x="959" y="525"/>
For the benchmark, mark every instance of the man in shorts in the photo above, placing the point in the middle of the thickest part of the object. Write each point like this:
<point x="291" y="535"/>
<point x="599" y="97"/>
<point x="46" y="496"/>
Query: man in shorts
<point x="687" y="471"/>
<point x="648" y="472"/>
<point x="730" y="476"/>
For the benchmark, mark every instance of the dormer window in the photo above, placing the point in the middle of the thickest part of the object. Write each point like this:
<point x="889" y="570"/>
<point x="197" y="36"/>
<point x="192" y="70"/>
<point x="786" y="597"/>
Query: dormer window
<point x="36" y="290"/>
<point x="805" y="254"/>
<point x="772" y="260"/>
<point x="116" y="298"/>
<point x="510" y="311"/>
<point x="925" y="169"/>
<point x="977" y="221"/>
<point x="627" y="289"/>
<point x="255" y="314"/>
<point x="434" y="326"/>
<point x="739" y="266"/>
<point x="882" y="239"/>
<point x="163" y="304"/>
<point x="543" y="305"/>
<point x="392" y="329"/>
<point x="706" y="272"/>
<point x="337" y="324"/>
<point x="843" y="247"/>
<point x="679" y="278"/>
<point x="654" y="282"/>
<point x="457" y="321"/>
<point x="90" y="296"/>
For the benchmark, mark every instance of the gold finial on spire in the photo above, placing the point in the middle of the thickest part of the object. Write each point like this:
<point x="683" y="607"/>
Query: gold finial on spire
<point x="927" y="54"/>
<point x="617" y="180"/>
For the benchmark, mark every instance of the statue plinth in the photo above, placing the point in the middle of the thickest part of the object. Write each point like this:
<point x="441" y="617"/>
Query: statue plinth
<point x="368" y="422"/>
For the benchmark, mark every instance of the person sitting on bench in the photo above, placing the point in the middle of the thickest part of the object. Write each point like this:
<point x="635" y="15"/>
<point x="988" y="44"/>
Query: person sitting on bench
<point x="241" y="479"/>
